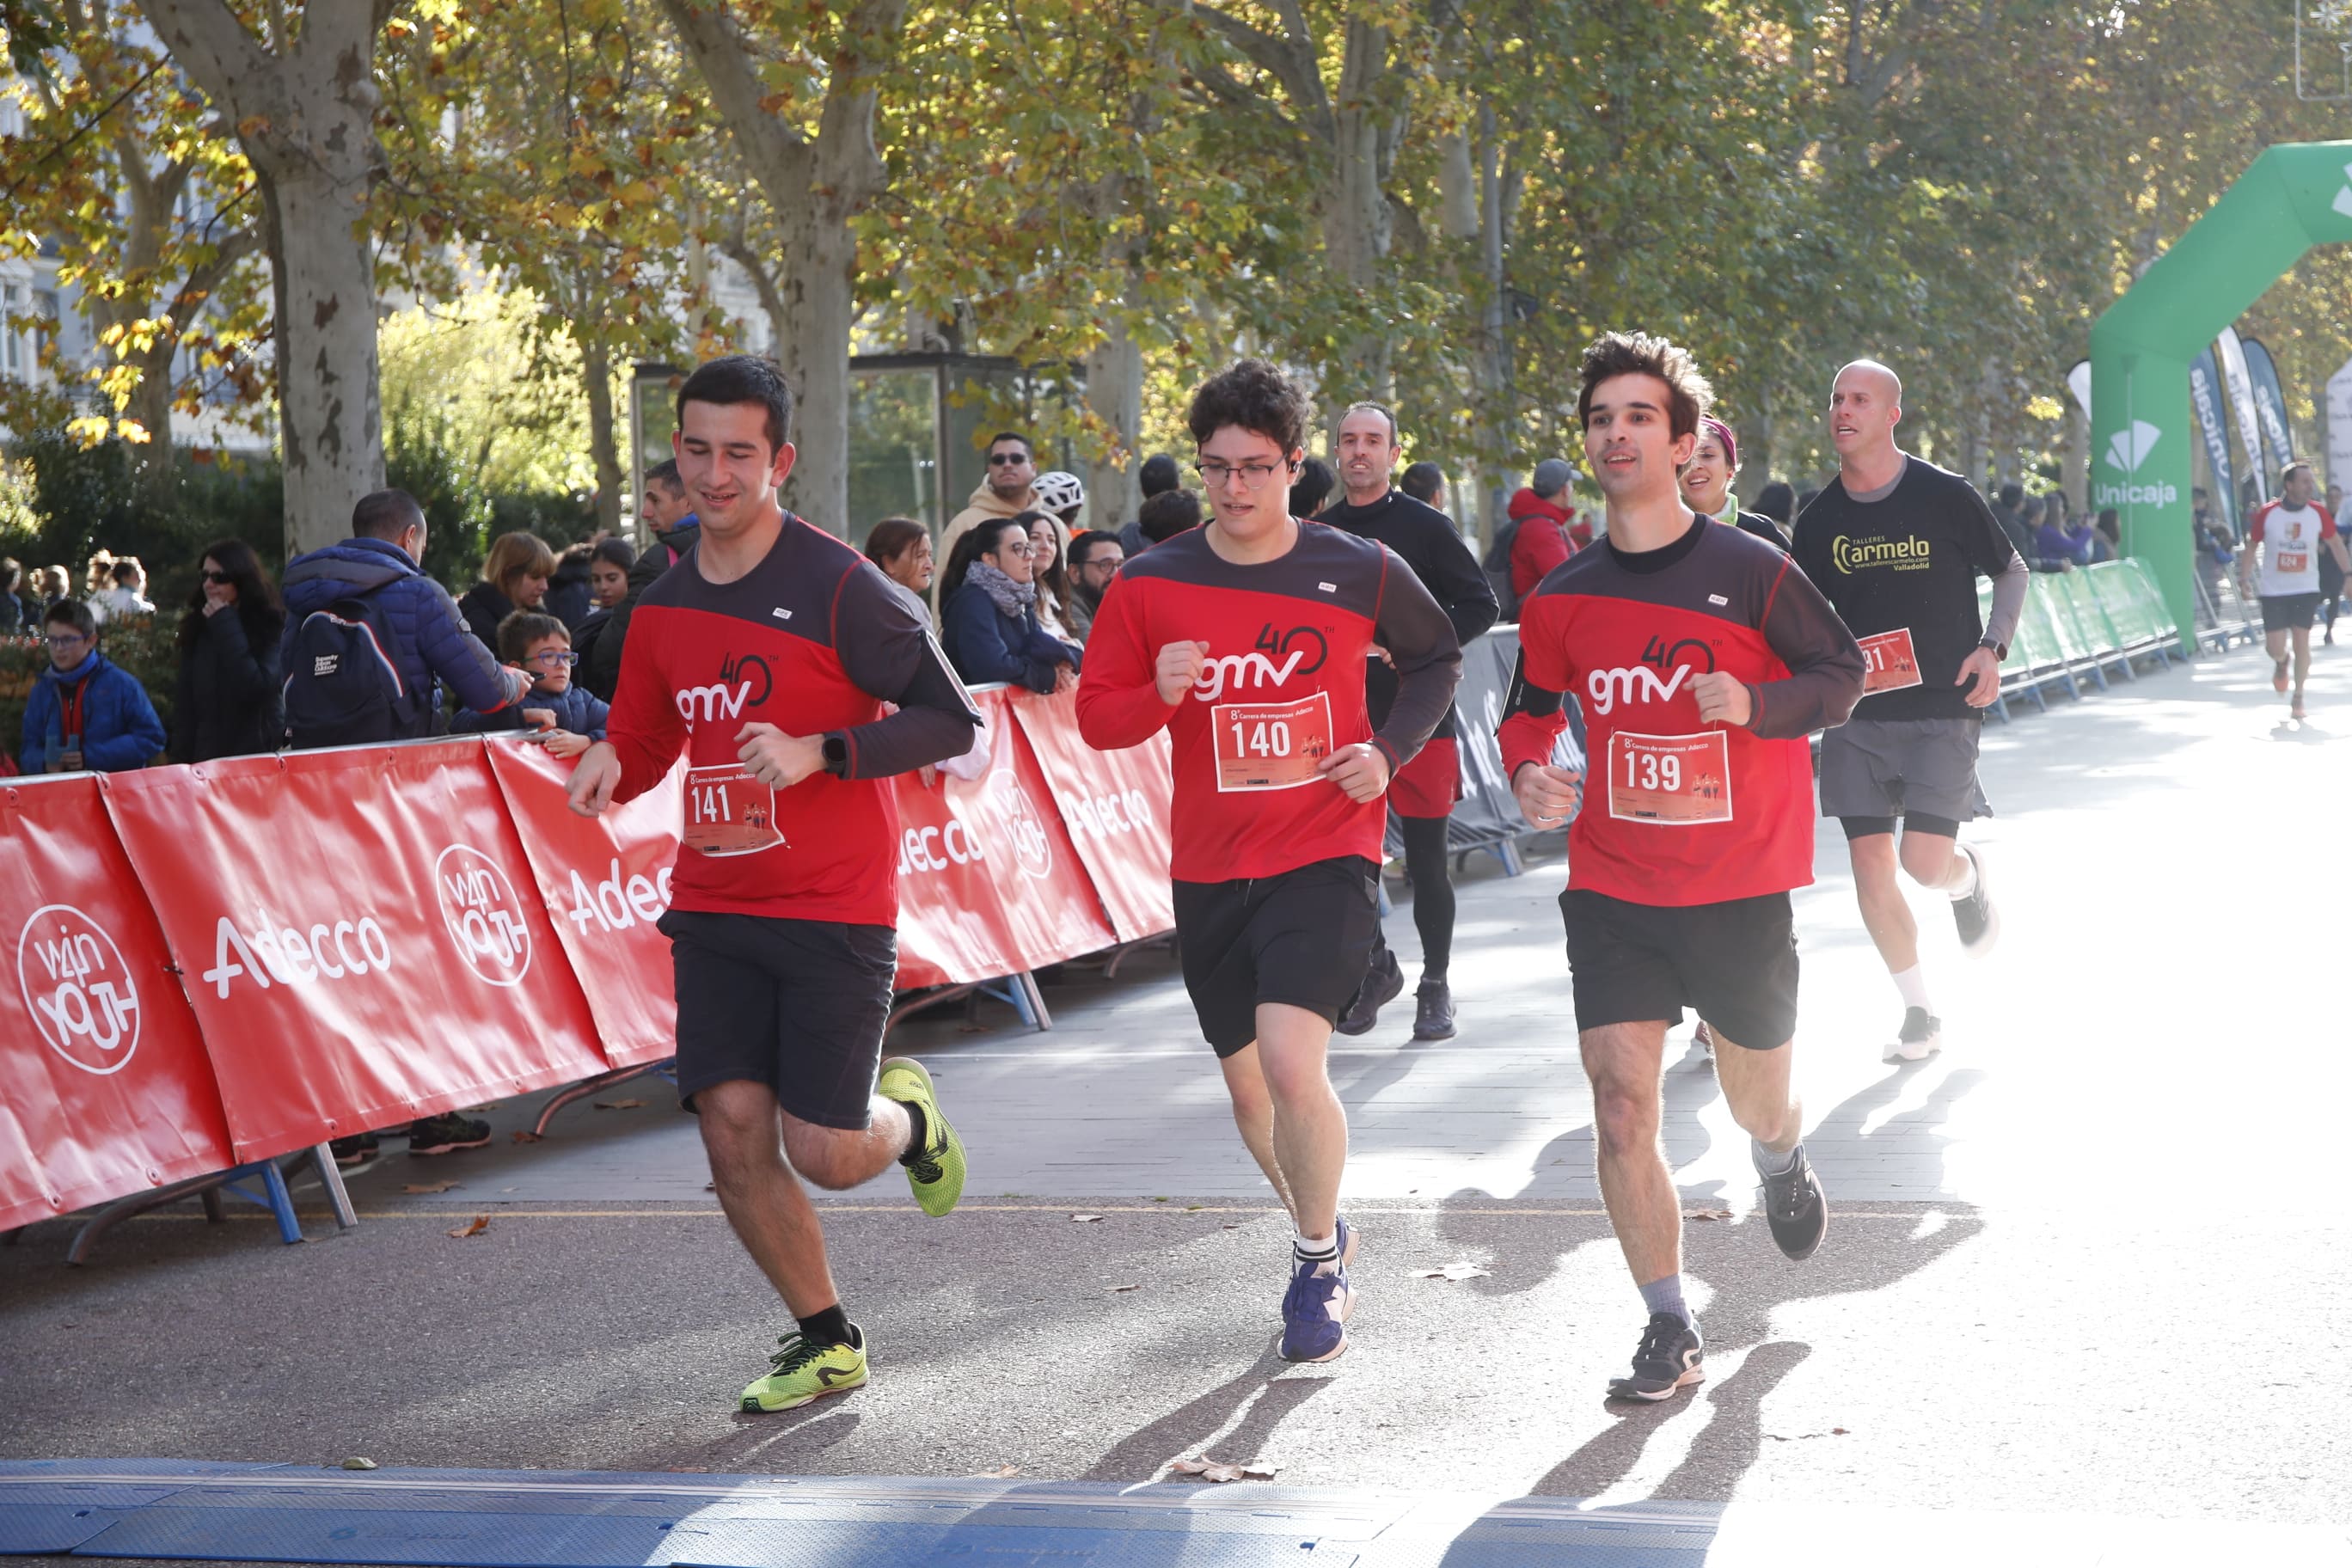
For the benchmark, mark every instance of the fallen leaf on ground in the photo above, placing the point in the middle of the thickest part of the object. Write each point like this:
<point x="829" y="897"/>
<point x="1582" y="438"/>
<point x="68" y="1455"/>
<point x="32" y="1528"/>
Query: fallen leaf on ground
<point x="359" y="1463"/>
<point x="431" y="1186"/>
<point x="1708" y="1214"/>
<point x="1002" y="1473"/>
<point x="480" y="1222"/>
<point x="1122" y="1289"/>
<point x="1464" y="1269"/>
<point x="1837" y="1432"/>
<point x="522" y="1137"/>
<point x="1217" y="1470"/>
<point x="617" y="1104"/>
<point x="1086" y="1219"/>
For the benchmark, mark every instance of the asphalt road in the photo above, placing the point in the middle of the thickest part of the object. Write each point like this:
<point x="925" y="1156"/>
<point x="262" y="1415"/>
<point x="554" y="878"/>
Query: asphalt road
<point x="2093" y="1259"/>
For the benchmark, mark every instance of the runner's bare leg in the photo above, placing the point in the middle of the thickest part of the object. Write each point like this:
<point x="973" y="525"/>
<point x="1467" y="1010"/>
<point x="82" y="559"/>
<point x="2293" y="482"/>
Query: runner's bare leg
<point x="1756" y="1089"/>
<point x="1624" y="1062"/>
<point x="1254" y="1115"/>
<point x="747" y="1136"/>
<point x="1886" y="914"/>
<point x="1310" y="1126"/>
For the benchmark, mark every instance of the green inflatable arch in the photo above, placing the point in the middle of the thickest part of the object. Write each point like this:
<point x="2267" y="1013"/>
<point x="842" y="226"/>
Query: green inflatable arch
<point x="2296" y="196"/>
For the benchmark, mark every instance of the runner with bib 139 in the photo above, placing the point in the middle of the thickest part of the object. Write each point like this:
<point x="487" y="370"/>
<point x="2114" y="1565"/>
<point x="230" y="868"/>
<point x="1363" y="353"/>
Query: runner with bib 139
<point x="768" y="655"/>
<point x="1702" y="658"/>
<point x="1895" y="543"/>
<point x="1245" y="640"/>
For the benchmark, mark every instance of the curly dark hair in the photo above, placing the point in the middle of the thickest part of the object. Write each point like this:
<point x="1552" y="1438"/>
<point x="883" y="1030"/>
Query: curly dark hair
<point x="1259" y="398"/>
<point x="1689" y="394"/>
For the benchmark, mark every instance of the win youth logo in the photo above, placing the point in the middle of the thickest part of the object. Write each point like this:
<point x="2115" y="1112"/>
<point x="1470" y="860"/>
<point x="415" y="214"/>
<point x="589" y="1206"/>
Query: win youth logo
<point x="1016" y="816"/>
<point x="483" y="916"/>
<point x="2127" y="450"/>
<point x="81" y="992"/>
<point x="744" y="682"/>
<point x="1272" y="660"/>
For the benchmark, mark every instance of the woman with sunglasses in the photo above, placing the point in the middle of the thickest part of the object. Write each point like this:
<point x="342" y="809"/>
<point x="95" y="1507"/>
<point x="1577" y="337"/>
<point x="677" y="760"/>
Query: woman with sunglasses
<point x="225" y="703"/>
<point x="989" y="629"/>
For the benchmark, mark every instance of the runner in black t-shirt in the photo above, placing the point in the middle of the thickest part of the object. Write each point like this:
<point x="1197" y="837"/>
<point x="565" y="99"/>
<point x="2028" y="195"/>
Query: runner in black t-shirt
<point x="1896" y="545"/>
<point x="1423" y="791"/>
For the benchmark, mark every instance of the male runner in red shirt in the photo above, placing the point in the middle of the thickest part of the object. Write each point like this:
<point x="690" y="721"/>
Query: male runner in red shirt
<point x="1702" y="658"/>
<point x="767" y="655"/>
<point x="1246" y="641"/>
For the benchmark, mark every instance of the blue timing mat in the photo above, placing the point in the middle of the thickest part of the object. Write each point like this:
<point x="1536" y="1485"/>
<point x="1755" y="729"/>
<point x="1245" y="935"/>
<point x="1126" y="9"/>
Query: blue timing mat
<point x="544" y="1519"/>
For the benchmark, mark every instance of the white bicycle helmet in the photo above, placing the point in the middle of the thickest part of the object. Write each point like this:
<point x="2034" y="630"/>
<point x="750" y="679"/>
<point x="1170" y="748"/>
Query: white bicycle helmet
<point x="1058" y="491"/>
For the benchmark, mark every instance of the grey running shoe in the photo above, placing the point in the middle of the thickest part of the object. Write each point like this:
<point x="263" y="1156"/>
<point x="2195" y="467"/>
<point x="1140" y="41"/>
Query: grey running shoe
<point x="1922" y="1036"/>
<point x="1796" y="1209"/>
<point x="1669" y="1357"/>
<point x="1978" y="921"/>
<point x="1433" y="1012"/>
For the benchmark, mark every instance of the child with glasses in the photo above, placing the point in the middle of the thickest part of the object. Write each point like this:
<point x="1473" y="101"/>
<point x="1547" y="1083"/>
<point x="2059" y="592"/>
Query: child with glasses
<point x="567" y="718"/>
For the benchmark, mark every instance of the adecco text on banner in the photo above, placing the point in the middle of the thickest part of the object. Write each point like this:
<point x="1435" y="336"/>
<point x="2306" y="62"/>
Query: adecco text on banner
<point x="81" y="992"/>
<point x="616" y="904"/>
<point x="289" y="956"/>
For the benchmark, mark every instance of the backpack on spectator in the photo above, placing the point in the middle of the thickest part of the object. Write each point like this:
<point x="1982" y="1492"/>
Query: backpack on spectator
<point x="342" y="688"/>
<point x="1497" y="567"/>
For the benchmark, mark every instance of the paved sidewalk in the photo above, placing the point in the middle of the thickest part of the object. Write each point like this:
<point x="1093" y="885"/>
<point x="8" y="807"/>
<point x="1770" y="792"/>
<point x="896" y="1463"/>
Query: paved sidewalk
<point x="2094" y="1259"/>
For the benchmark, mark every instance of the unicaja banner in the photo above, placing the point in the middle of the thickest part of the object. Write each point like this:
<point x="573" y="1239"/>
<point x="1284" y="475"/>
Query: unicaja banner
<point x="2205" y="395"/>
<point x="359" y="933"/>
<point x="2269" y="412"/>
<point x="108" y="1089"/>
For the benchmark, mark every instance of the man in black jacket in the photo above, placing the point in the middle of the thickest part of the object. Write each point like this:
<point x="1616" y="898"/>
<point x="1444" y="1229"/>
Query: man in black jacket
<point x="669" y="514"/>
<point x="1423" y="791"/>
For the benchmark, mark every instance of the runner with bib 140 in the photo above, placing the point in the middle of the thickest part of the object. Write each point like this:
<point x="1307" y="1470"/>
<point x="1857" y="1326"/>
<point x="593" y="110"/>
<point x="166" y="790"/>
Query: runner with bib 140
<point x="768" y="655"/>
<point x="1895" y="543"/>
<point x="1702" y="658"/>
<point x="1245" y="640"/>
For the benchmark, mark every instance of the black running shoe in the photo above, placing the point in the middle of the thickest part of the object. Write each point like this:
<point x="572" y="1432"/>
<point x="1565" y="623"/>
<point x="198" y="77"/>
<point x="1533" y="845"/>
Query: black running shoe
<point x="1795" y="1208"/>
<point x="441" y="1134"/>
<point x="1380" y="988"/>
<point x="1921" y="1037"/>
<point x="353" y="1151"/>
<point x="1433" y="1012"/>
<point x="1670" y="1356"/>
<point x="1978" y="921"/>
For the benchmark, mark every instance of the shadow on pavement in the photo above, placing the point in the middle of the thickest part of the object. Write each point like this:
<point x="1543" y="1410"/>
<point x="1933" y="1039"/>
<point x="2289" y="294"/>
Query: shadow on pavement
<point x="1184" y="1431"/>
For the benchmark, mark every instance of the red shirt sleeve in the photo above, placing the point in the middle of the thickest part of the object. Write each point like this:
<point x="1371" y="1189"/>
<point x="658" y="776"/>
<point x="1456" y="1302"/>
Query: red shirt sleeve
<point x="1119" y="691"/>
<point x="644" y="726"/>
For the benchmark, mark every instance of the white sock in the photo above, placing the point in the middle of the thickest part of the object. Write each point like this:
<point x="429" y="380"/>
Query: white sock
<point x="1314" y="1249"/>
<point x="1913" y="983"/>
<point x="1967" y="882"/>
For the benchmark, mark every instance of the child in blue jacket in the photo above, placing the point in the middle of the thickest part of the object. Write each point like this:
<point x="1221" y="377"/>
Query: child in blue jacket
<point x="86" y="712"/>
<point x="571" y="717"/>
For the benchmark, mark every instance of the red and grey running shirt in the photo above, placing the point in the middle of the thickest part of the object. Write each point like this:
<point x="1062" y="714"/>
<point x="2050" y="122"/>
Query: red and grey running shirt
<point x="815" y="641"/>
<point x="1677" y="811"/>
<point x="2289" y="539"/>
<point x="1283" y="687"/>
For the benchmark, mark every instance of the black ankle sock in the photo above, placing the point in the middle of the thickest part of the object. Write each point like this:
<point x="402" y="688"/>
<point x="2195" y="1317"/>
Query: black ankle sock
<point x="831" y="1327"/>
<point x="918" y="1131"/>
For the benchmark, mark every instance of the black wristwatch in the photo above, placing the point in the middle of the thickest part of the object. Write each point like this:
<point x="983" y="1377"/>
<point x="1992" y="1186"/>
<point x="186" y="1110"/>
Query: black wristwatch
<point x="836" y="755"/>
<point x="2000" y="649"/>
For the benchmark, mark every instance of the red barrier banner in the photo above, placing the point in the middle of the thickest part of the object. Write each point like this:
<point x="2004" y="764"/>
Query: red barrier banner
<point x="356" y="934"/>
<point x="107" y="1088"/>
<point x="989" y="882"/>
<point x="605" y="881"/>
<point x="1114" y="806"/>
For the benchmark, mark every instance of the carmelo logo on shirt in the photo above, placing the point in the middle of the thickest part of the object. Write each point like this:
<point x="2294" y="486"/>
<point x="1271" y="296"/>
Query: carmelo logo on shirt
<point x="1850" y="555"/>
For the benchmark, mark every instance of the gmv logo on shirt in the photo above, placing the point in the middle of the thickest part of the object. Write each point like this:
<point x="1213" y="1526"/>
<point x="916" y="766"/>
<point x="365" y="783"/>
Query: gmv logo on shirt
<point x="1274" y="659"/>
<point x="1643" y="682"/>
<point x="730" y="695"/>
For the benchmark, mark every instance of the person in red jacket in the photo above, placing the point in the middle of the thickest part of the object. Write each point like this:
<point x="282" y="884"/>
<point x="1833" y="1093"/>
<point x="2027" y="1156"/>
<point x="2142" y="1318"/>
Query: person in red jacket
<point x="1245" y="640"/>
<point x="1702" y="658"/>
<point x="1542" y="512"/>
<point x="770" y="654"/>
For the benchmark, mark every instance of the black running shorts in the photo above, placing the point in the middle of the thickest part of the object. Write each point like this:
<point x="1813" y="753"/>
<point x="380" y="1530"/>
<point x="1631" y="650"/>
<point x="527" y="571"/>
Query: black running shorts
<point x="2289" y="612"/>
<point x="1734" y="964"/>
<point x="1303" y="937"/>
<point x="799" y="1005"/>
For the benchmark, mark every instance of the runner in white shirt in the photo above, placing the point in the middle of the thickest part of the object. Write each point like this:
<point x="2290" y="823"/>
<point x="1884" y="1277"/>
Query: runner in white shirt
<point x="2283" y="539"/>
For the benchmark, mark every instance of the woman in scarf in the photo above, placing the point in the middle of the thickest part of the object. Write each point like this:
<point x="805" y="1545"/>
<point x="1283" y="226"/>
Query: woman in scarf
<point x="989" y="624"/>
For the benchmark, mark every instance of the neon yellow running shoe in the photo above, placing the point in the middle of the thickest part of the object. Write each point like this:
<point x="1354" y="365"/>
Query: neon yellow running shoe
<point x="936" y="1171"/>
<point x="806" y="1371"/>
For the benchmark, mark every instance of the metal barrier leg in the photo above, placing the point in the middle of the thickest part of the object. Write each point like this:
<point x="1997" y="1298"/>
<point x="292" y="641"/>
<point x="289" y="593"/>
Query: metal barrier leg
<point x="1508" y="851"/>
<point x="280" y="1203"/>
<point x="586" y="1086"/>
<point x="321" y="1157"/>
<point x="1037" y="1016"/>
<point x="215" y="1211"/>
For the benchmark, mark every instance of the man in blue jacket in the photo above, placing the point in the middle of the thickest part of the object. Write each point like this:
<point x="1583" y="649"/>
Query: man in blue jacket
<point x="428" y="638"/>
<point x="430" y="644"/>
<point x="86" y="712"/>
